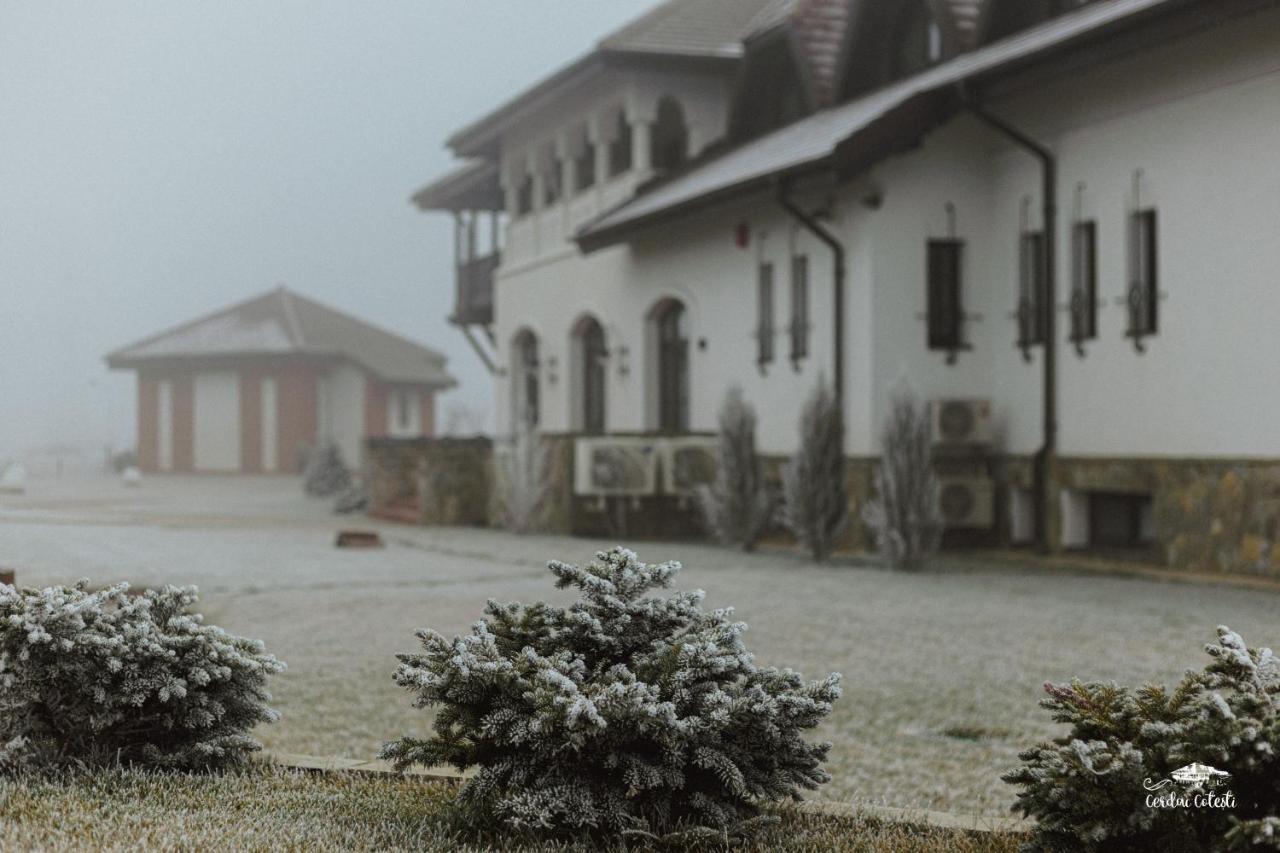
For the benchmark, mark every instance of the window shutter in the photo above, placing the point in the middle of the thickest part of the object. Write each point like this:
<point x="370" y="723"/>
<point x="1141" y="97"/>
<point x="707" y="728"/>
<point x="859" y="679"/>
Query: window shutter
<point x="944" y="311"/>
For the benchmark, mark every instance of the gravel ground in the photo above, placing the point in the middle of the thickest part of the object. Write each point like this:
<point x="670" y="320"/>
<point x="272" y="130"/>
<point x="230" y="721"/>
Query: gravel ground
<point x="942" y="669"/>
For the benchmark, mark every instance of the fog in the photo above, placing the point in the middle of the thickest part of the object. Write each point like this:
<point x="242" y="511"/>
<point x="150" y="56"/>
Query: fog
<point x="160" y="160"/>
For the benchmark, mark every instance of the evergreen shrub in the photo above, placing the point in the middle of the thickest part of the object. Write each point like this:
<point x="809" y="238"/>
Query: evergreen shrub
<point x="623" y="713"/>
<point x="1108" y="783"/>
<point x="93" y="678"/>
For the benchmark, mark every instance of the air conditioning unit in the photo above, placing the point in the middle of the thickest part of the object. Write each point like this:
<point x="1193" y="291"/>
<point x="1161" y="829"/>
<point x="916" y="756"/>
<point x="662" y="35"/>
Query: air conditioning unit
<point x="967" y="503"/>
<point x="962" y="423"/>
<point x="687" y="463"/>
<point x="607" y="466"/>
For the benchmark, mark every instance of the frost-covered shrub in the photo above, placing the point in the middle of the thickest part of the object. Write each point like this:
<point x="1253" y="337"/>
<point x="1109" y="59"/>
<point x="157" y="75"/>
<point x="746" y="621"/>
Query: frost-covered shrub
<point x="98" y="677"/>
<point x="522" y="480"/>
<point x="905" y="515"/>
<point x="623" y="712"/>
<point x="815" y="507"/>
<point x="325" y="473"/>
<point x="738" y="505"/>
<point x="1099" y="787"/>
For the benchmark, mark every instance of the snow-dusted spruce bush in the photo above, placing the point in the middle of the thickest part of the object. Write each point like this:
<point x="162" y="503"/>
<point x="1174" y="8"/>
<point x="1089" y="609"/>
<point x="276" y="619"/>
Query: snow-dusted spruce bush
<point x="325" y="473"/>
<point x="904" y="514"/>
<point x="815" y="507"/>
<point x="624" y="712"/>
<point x="1107" y="785"/>
<point x="100" y="677"/>
<point x="738" y="505"/>
<point x="522" y="480"/>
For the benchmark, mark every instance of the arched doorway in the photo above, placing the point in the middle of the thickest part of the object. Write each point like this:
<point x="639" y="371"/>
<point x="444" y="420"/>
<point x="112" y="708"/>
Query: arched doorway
<point x="590" y="375"/>
<point x="670" y="336"/>
<point x="524" y="379"/>
<point x="670" y="136"/>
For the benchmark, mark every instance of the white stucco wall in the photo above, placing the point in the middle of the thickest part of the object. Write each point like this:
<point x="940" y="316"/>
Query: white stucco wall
<point x="1200" y="117"/>
<point x="217" y="421"/>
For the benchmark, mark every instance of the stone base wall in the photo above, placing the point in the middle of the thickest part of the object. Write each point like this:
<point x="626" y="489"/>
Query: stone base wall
<point x="432" y="481"/>
<point x="1216" y="516"/>
<point x="1208" y="515"/>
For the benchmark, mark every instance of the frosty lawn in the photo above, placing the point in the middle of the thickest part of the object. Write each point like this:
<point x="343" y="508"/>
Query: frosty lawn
<point x="942" y="669"/>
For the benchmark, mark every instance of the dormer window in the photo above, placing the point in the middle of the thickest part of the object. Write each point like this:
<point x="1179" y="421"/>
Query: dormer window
<point x="552" y="175"/>
<point x="619" y="145"/>
<point x="583" y="150"/>
<point x="524" y="194"/>
<point x="670" y="136"/>
<point x="917" y="40"/>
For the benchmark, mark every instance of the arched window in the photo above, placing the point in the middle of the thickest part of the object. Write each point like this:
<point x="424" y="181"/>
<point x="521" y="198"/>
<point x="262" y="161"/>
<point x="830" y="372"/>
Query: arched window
<point x="524" y="379"/>
<point x="591" y="357"/>
<point x="670" y="336"/>
<point x="917" y="39"/>
<point x="670" y="136"/>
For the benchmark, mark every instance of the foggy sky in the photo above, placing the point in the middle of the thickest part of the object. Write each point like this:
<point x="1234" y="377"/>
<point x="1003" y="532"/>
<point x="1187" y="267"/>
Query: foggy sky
<point x="159" y="160"/>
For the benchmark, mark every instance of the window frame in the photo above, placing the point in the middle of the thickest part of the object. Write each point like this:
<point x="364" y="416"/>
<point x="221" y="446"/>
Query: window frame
<point x="1032" y="307"/>
<point x="764" y="313"/>
<point x="1084" y="281"/>
<point x="799" y="326"/>
<point x="944" y="289"/>
<point x="1142" y="296"/>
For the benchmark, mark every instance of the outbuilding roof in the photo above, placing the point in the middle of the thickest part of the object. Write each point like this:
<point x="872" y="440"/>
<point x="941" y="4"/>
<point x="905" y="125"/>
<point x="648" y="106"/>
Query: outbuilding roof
<point x="281" y="322"/>
<point x="873" y="125"/>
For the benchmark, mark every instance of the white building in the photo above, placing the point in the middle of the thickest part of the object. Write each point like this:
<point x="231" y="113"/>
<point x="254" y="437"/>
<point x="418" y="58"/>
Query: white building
<point x="673" y="207"/>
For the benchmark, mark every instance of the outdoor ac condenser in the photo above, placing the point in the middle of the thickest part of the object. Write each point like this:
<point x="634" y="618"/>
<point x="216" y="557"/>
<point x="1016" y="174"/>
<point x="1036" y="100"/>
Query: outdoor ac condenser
<point x="968" y="503"/>
<point x="962" y="423"/>
<point x="612" y="466"/>
<point x="687" y="463"/>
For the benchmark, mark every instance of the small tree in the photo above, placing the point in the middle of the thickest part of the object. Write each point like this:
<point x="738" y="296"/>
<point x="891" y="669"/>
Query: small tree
<point x="905" y="515"/>
<point x="737" y="505"/>
<point x="623" y="712"/>
<point x="522" y="479"/>
<point x="102" y="677"/>
<point x="816" y="507"/>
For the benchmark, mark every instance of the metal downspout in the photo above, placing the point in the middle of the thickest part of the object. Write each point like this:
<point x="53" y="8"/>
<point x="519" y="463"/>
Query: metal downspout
<point x="1044" y="462"/>
<point x="837" y="282"/>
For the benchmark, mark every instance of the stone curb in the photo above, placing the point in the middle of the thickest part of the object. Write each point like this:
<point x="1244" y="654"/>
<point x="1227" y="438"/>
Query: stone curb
<point x="939" y="820"/>
<point x="375" y="766"/>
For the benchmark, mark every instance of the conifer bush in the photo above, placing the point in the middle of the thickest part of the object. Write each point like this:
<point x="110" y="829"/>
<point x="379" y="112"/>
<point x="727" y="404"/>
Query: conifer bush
<point x="325" y="474"/>
<point x="1107" y="784"/>
<point x="738" y="505"/>
<point x="92" y="678"/>
<point x="816" y="506"/>
<point x="623" y="713"/>
<point x="905" y="515"/>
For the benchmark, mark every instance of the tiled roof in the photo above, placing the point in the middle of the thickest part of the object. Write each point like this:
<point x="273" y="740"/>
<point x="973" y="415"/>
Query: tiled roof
<point x="281" y="322"/>
<point x="688" y="28"/>
<point x="812" y="141"/>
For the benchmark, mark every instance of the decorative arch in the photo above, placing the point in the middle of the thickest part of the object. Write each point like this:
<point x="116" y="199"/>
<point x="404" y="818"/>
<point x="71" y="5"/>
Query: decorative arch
<point x="669" y="137"/>
<point x="669" y="339"/>
<point x="589" y="356"/>
<point x="525" y="390"/>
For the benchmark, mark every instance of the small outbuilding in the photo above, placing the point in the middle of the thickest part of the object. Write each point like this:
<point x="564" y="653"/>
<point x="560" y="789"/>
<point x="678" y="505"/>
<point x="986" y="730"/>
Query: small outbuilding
<point x="247" y="389"/>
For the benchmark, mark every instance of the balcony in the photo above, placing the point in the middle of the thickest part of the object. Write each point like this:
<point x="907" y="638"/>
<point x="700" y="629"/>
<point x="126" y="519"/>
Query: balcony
<point x="473" y="296"/>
